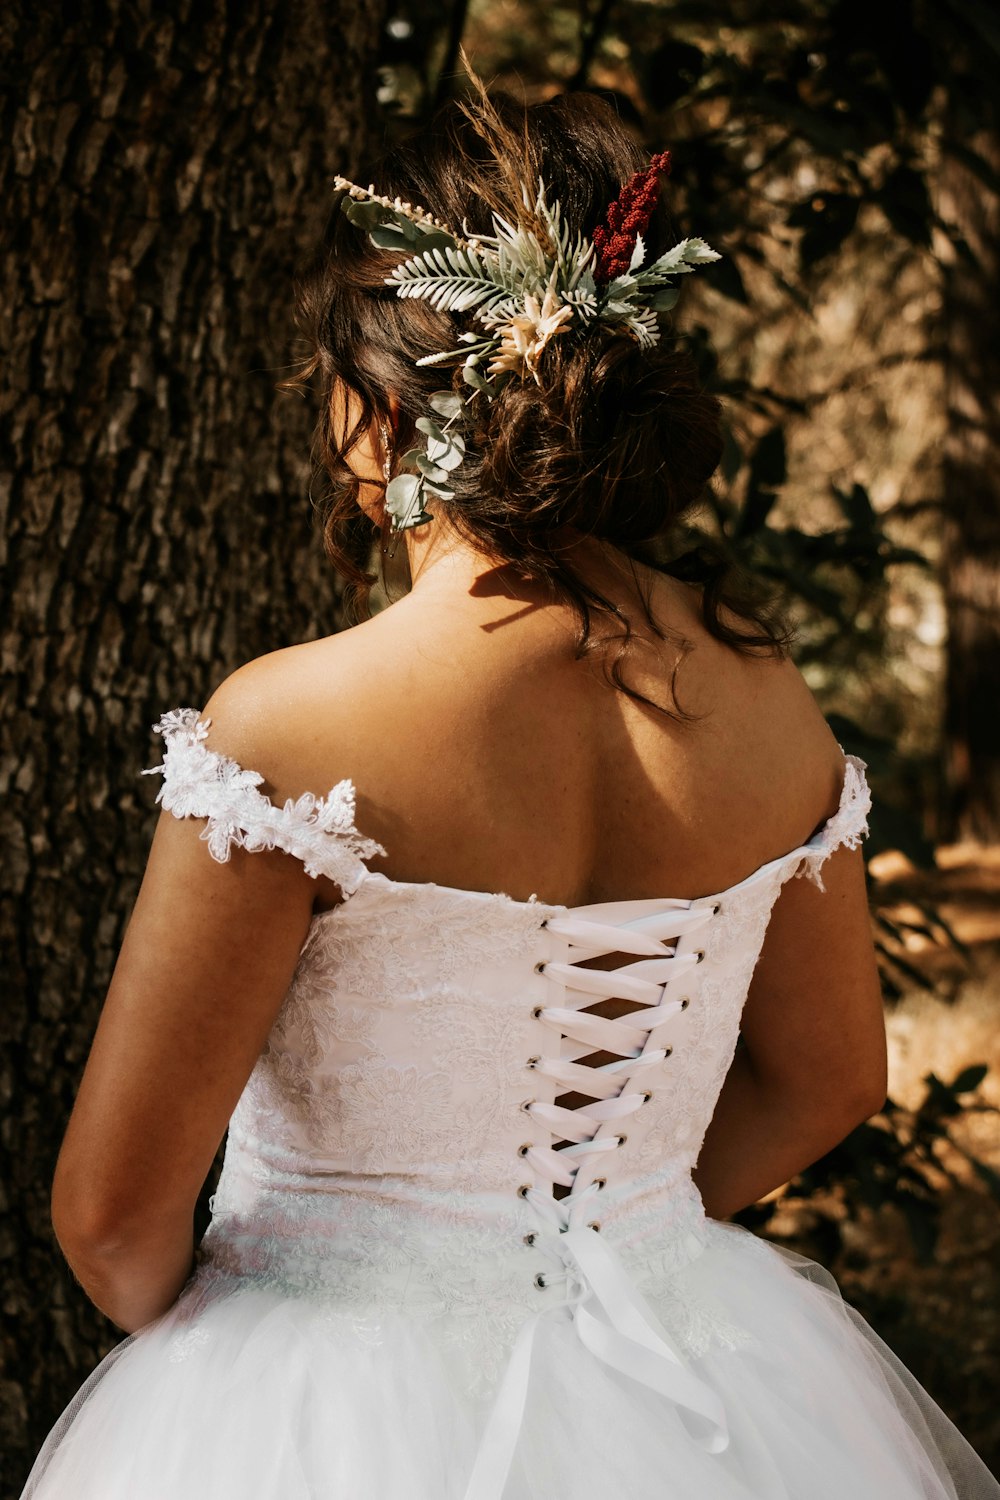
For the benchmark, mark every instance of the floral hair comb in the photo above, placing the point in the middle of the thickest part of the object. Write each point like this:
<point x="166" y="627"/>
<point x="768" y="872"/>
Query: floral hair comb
<point x="525" y="284"/>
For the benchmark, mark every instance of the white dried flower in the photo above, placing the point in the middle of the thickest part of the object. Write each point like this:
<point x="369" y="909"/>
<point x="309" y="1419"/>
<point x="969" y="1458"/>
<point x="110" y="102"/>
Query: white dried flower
<point x="526" y="335"/>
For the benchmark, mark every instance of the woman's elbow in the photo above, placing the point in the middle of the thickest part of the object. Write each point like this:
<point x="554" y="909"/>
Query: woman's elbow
<point x="81" y="1224"/>
<point x="856" y="1100"/>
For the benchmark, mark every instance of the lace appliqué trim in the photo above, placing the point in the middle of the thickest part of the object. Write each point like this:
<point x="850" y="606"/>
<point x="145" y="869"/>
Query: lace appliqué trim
<point x="201" y="783"/>
<point x="849" y="824"/>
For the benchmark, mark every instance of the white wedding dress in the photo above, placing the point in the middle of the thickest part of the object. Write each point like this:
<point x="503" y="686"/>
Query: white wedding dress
<point x="393" y="1303"/>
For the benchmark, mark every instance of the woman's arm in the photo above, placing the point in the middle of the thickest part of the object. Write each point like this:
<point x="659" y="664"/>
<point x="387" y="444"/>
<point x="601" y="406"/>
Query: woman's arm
<point x="207" y="958"/>
<point x="812" y="1064"/>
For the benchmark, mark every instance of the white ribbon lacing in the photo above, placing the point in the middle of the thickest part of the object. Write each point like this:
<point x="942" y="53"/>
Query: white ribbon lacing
<point x="611" y="1318"/>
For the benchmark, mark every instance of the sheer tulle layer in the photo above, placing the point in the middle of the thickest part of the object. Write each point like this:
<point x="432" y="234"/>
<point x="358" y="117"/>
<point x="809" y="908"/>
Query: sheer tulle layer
<point x="252" y="1395"/>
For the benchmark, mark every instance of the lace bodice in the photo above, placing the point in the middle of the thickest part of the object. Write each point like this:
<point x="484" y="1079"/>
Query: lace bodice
<point x="401" y="1141"/>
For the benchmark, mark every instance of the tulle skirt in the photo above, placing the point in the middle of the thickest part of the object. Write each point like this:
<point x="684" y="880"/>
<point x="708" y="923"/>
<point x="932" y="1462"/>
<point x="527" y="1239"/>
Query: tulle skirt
<point x="256" y="1395"/>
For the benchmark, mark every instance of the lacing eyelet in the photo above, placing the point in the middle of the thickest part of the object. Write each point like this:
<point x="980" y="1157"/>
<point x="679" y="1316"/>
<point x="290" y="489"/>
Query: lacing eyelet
<point x="685" y="1002"/>
<point x="540" y="967"/>
<point x="524" y="1190"/>
<point x="532" y="1062"/>
<point x="594" y="1224"/>
<point x="600" y="1183"/>
<point x="668" y="1051"/>
<point x="529" y="1239"/>
<point x="537" y="1011"/>
<point x="540" y="1281"/>
<point x="701" y="954"/>
<point x="545" y="921"/>
<point x="523" y="1150"/>
<point x="622" y="1139"/>
<point x="646" y="1097"/>
<point x="526" y="1104"/>
<point x="716" y="908"/>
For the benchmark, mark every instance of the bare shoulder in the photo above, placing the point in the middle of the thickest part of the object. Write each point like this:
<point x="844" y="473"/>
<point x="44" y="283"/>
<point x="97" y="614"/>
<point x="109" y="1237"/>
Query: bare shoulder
<point x="803" y="739"/>
<point x="272" y="712"/>
<point x="765" y="729"/>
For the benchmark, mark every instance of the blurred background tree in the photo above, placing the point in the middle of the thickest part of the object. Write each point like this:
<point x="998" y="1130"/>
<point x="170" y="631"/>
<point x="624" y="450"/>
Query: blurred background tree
<point x="164" y="171"/>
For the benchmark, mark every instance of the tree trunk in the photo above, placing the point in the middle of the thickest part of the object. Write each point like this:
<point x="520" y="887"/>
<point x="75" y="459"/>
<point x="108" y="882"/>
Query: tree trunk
<point x="970" y="555"/>
<point x="164" y="170"/>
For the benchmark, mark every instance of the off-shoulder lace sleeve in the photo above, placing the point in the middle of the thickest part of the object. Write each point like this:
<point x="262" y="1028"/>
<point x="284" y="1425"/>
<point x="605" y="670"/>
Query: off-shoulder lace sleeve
<point x="201" y="783"/>
<point x="848" y="825"/>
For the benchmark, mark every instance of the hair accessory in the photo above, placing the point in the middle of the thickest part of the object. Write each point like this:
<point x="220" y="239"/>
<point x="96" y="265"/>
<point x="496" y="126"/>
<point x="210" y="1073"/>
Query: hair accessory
<point x="526" y="284"/>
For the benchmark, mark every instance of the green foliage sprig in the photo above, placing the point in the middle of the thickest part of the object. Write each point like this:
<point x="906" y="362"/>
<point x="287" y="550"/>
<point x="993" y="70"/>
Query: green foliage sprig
<point x="525" y="286"/>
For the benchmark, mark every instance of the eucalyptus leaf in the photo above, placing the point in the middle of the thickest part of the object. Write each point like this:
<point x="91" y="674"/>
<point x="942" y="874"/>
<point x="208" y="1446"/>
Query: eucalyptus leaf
<point x="401" y="493"/>
<point x="410" y="236"/>
<point x="430" y="469"/>
<point x="447" y="403"/>
<point x="432" y="428"/>
<point x="663" y="298"/>
<point x="448" y="453"/>
<point x="419" y="518"/>
<point x="392" y="236"/>
<point x="363" y="213"/>
<point x="472" y="377"/>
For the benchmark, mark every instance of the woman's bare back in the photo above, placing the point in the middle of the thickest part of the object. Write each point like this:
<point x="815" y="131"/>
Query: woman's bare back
<point x="486" y="757"/>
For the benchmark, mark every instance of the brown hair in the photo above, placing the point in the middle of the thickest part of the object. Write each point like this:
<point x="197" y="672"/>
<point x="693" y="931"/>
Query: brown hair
<point x="617" y="442"/>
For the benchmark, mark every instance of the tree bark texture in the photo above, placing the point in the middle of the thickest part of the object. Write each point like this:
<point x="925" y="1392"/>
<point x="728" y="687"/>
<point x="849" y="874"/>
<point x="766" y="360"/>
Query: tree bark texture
<point x="970" y="556"/>
<point x="164" y="170"/>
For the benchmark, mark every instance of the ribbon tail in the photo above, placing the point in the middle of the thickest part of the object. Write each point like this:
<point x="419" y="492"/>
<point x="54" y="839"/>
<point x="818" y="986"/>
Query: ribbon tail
<point x="499" y="1440"/>
<point x="634" y="1342"/>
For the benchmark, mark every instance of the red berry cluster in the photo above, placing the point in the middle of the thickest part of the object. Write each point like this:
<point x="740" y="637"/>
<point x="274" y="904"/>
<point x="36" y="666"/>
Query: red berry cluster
<point x="627" y="217"/>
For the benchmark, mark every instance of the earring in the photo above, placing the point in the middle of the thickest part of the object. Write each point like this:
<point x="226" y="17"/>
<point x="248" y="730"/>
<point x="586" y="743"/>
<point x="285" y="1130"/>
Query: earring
<point x="388" y="551"/>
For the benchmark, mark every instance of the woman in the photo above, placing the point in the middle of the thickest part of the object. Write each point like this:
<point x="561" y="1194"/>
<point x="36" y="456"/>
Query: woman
<point x="468" y="1238"/>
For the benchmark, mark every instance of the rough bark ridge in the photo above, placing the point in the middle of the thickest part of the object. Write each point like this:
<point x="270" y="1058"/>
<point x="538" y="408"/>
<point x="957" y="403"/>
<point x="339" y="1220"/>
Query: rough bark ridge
<point x="163" y="169"/>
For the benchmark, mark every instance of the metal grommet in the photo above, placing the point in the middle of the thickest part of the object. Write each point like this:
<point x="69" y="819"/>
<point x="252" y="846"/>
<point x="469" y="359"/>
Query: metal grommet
<point x="545" y="921"/>
<point x="529" y="1239"/>
<point x="523" y="1150"/>
<point x="532" y="1062"/>
<point x="524" y="1190"/>
<point x="540" y="1281"/>
<point x="600" y="1182"/>
<point x="540" y="967"/>
<point x="646" y="1097"/>
<point x="701" y="954"/>
<point x="594" y="1224"/>
<point x="716" y="908"/>
<point x="622" y="1139"/>
<point x="526" y="1104"/>
<point x="537" y="1011"/>
<point x="668" y="1052"/>
<point x="685" y="1002"/>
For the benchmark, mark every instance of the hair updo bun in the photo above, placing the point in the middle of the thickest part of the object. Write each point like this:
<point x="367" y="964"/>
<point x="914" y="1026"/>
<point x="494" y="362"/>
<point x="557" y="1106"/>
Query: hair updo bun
<point x="617" y="441"/>
<point x="614" y="441"/>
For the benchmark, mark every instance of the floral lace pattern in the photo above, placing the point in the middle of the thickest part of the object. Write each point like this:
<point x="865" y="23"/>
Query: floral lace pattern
<point x="375" y="1160"/>
<point x="849" y="824"/>
<point x="198" y="782"/>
